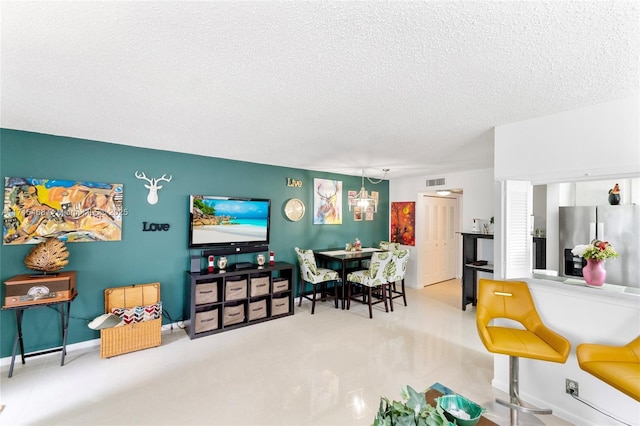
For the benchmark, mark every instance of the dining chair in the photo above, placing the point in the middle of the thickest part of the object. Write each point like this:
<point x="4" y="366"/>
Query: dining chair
<point x="396" y="274"/>
<point x="374" y="278"/>
<point x="389" y="246"/>
<point x="317" y="277"/>
<point x="384" y="245"/>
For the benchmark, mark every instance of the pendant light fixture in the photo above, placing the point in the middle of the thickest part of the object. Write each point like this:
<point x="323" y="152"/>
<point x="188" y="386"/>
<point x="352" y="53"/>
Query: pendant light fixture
<point x="363" y="199"/>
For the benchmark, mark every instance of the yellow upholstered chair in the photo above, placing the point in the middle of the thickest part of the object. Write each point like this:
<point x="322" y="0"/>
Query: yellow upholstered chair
<point x="512" y="300"/>
<point x="618" y="366"/>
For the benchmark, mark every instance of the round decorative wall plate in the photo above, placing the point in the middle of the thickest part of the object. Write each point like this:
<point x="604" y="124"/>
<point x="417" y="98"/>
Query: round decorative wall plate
<point x="294" y="209"/>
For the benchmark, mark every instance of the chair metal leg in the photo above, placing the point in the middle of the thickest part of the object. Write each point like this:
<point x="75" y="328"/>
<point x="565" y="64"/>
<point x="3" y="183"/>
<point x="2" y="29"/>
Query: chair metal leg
<point x="516" y="405"/>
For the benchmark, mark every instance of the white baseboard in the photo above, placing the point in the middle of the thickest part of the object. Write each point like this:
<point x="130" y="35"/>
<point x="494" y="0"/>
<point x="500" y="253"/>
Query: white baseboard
<point x="80" y="345"/>
<point x="72" y="347"/>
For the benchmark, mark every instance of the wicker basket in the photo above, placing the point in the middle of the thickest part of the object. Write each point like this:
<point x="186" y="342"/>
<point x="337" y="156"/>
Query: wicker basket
<point x="131" y="337"/>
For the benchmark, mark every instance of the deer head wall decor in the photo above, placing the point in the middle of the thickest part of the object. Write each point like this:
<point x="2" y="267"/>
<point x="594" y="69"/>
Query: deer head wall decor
<point x="153" y="186"/>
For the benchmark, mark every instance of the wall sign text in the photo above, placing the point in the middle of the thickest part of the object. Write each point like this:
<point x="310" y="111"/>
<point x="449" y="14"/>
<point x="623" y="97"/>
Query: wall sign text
<point x="294" y="183"/>
<point x="146" y="227"/>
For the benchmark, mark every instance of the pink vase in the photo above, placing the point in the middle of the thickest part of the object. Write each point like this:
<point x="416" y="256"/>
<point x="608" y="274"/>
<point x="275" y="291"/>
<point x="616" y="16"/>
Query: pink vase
<point x="594" y="273"/>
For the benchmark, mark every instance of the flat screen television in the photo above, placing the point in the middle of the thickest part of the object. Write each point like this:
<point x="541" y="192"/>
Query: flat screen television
<point x="227" y="221"/>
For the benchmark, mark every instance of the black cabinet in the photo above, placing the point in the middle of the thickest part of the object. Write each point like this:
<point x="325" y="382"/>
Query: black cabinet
<point x="471" y="265"/>
<point x="540" y="252"/>
<point x="225" y="300"/>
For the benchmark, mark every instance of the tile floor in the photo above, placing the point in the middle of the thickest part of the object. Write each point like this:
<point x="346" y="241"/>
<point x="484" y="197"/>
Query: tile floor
<point x="325" y="369"/>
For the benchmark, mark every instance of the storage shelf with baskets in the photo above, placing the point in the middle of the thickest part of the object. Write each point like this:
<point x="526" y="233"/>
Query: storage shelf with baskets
<point x="226" y="300"/>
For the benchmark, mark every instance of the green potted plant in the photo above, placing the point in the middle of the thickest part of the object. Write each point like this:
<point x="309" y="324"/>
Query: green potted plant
<point x="413" y="411"/>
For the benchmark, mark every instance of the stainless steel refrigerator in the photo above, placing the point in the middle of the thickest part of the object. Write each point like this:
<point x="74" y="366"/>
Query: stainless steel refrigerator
<point x="619" y="225"/>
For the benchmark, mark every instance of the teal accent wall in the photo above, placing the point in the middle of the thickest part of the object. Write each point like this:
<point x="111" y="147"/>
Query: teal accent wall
<point x="142" y="257"/>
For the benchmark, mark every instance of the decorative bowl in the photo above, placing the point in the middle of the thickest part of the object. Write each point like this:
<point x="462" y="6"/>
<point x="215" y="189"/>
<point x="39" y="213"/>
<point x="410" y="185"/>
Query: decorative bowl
<point x="453" y="405"/>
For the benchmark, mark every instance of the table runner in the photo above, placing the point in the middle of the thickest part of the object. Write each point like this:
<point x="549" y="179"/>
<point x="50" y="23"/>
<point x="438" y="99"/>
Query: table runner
<point x="339" y="252"/>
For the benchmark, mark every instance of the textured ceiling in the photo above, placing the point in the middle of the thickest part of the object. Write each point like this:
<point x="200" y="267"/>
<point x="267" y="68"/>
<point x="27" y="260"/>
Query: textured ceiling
<point x="416" y="87"/>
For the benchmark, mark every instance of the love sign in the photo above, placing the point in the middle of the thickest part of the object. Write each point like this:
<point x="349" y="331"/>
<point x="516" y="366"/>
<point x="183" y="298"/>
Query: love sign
<point x="146" y="227"/>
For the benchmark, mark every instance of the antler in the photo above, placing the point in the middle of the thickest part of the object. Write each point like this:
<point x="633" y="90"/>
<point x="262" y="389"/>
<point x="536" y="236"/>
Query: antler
<point x="143" y="176"/>
<point x="164" y="178"/>
<point x="326" y="197"/>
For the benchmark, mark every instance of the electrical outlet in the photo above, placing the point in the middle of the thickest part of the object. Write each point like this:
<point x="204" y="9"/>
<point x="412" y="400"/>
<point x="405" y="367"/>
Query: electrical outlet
<point x="571" y="387"/>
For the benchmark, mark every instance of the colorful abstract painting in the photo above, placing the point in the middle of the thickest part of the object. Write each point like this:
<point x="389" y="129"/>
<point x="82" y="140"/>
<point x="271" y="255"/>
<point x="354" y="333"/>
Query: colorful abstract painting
<point x="403" y="223"/>
<point x="36" y="209"/>
<point x="327" y="202"/>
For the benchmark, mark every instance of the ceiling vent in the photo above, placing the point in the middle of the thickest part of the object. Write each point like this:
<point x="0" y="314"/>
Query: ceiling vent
<point x="435" y="182"/>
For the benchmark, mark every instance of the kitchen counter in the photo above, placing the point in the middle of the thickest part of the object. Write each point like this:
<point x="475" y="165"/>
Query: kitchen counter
<point x="609" y="315"/>
<point x="578" y="285"/>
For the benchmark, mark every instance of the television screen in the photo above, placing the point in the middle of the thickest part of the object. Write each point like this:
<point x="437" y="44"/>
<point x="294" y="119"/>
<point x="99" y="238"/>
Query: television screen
<point x="226" y="221"/>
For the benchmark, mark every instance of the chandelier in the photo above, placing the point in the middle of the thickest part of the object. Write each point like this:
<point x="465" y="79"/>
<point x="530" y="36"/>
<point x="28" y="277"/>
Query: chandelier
<point x="362" y="199"/>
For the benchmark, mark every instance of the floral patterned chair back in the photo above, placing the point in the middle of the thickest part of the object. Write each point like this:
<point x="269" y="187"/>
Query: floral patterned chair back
<point x="399" y="265"/>
<point x="318" y="277"/>
<point x="377" y="273"/>
<point x="386" y="245"/>
<point x="307" y="262"/>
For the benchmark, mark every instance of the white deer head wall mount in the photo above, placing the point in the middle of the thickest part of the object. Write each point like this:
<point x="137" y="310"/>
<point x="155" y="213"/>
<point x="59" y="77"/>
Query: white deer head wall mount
<point x="153" y="186"/>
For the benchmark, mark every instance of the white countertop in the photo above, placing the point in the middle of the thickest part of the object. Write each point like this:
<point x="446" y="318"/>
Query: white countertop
<point x="578" y="285"/>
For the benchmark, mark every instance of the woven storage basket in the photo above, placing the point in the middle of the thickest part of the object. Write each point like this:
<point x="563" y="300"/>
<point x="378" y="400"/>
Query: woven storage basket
<point x="131" y="337"/>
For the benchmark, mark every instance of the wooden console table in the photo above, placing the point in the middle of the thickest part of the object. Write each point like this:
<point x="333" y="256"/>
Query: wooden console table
<point x="63" y="306"/>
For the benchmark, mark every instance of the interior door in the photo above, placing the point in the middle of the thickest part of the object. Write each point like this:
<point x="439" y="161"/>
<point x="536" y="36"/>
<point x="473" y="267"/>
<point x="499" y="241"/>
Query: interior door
<point x="438" y="242"/>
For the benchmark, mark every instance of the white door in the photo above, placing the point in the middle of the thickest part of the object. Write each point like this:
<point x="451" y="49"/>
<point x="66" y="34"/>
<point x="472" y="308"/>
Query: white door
<point x="438" y="239"/>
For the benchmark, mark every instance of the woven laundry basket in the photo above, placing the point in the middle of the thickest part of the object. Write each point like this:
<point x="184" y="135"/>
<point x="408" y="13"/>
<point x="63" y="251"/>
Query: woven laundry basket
<point x="131" y="337"/>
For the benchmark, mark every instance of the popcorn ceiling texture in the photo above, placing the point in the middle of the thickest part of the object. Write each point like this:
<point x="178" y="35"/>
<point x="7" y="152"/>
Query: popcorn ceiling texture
<point x="412" y="86"/>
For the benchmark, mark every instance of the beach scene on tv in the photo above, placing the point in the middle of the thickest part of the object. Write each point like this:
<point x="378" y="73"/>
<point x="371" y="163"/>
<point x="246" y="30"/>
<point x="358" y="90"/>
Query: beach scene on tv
<point x="218" y="221"/>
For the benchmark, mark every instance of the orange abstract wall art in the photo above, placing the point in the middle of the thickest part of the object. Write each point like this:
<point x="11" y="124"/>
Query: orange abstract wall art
<point x="403" y="223"/>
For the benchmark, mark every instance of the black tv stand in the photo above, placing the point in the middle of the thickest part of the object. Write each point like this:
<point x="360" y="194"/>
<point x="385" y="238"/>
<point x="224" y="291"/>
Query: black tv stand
<point x="220" y="301"/>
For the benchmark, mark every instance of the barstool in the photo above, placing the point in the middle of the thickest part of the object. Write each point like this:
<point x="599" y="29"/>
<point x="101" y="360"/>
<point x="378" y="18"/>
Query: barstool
<point x="512" y="300"/>
<point x="617" y="366"/>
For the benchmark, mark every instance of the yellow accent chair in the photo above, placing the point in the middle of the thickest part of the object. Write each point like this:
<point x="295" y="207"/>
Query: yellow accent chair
<point x="512" y="300"/>
<point x="618" y="366"/>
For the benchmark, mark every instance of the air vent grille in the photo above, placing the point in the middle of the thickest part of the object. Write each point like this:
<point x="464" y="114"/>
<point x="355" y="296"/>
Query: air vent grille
<point x="435" y="182"/>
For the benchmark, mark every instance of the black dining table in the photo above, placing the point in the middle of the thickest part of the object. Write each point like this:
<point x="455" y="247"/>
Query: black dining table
<point x="344" y="261"/>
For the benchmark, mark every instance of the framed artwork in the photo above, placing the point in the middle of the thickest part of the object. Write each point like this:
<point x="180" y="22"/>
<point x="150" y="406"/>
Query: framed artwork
<point x="375" y="195"/>
<point x="327" y="202"/>
<point x="368" y="214"/>
<point x="403" y="223"/>
<point x="351" y="198"/>
<point x="357" y="214"/>
<point x="37" y="209"/>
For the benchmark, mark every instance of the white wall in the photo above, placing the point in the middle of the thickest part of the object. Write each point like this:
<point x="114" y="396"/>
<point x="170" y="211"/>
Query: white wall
<point x="596" y="193"/>
<point x="475" y="202"/>
<point x="599" y="141"/>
